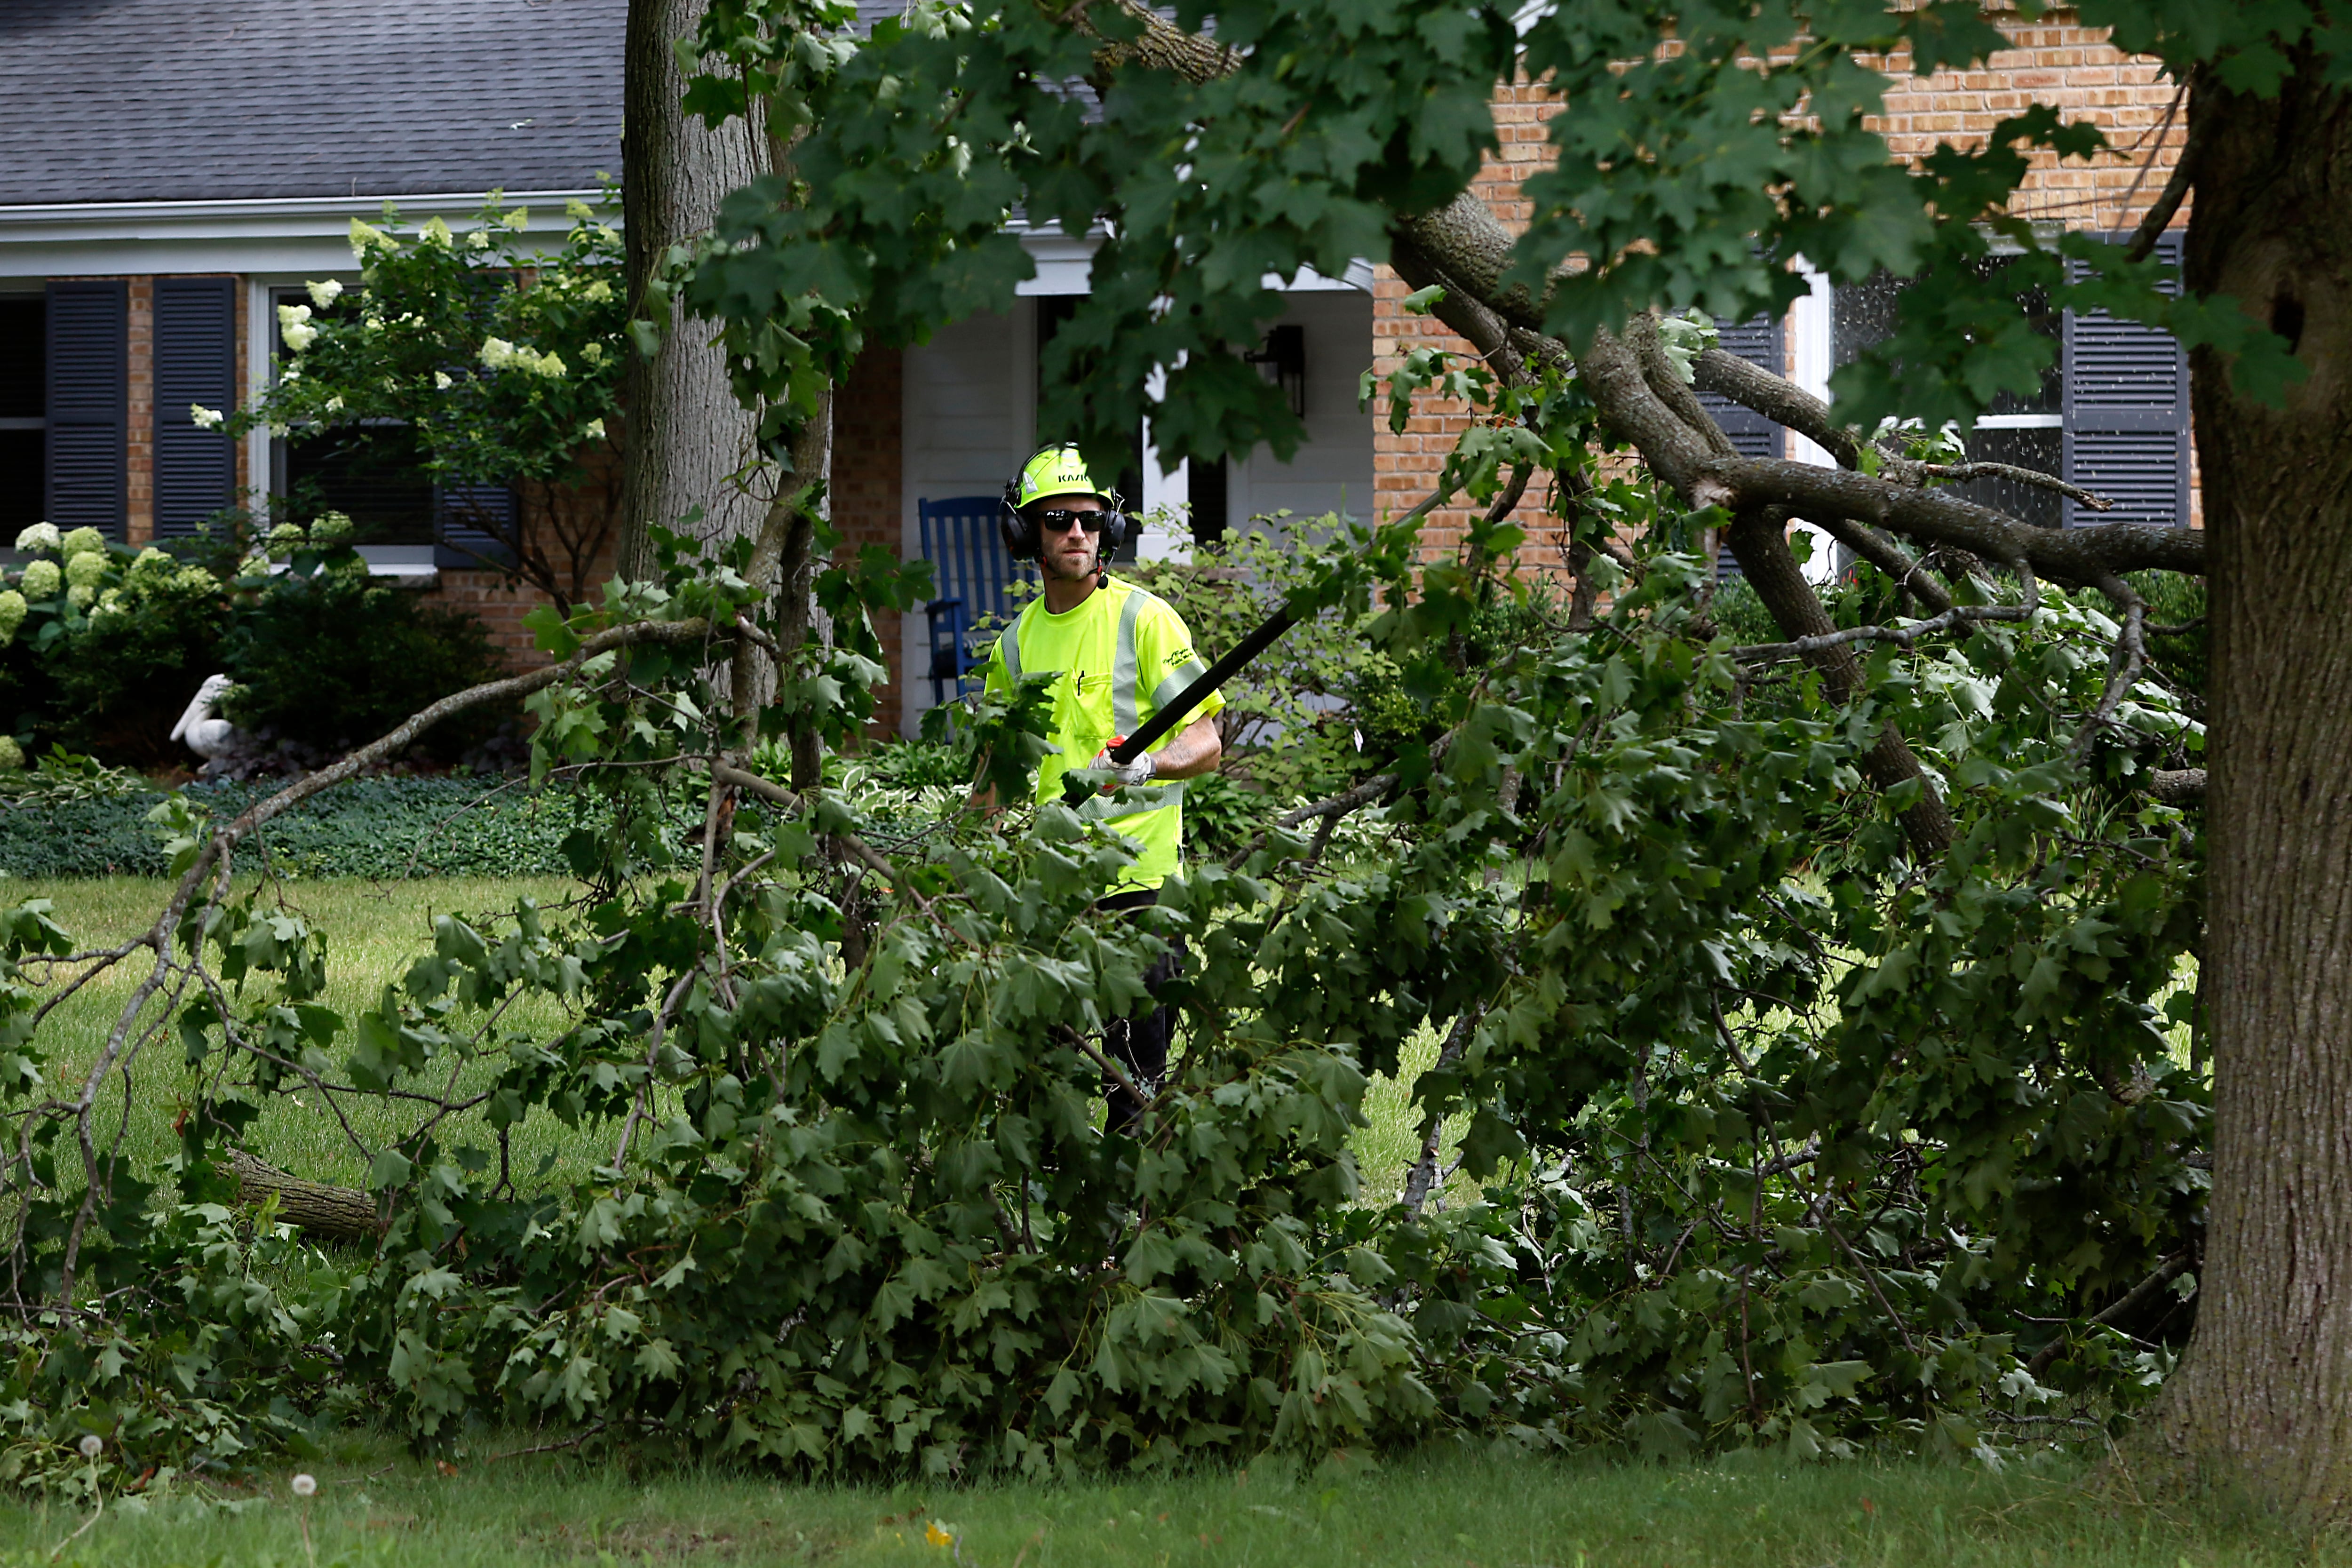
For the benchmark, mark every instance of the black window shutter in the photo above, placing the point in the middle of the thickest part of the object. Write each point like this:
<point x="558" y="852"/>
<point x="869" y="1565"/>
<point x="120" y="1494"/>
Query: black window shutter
<point x="464" y="518"/>
<point x="88" y="454"/>
<point x="195" y="362"/>
<point x="1757" y="341"/>
<point x="2127" y="417"/>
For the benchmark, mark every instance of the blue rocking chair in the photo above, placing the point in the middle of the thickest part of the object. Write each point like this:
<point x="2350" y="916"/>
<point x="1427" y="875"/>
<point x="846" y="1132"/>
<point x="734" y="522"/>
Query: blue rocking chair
<point x="973" y="576"/>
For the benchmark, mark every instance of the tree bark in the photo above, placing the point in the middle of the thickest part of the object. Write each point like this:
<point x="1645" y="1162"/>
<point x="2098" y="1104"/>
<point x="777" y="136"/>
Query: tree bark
<point x="2263" y="1404"/>
<point x="686" y="435"/>
<point x="338" y="1214"/>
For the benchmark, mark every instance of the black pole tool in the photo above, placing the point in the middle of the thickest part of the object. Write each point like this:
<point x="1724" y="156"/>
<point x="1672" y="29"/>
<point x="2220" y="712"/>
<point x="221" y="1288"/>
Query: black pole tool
<point x="1127" y="748"/>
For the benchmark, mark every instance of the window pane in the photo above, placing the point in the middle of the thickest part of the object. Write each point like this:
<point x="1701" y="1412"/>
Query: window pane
<point x="21" y="457"/>
<point x="1865" y="313"/>
<point x="24" y="350"/>
<point x="2041" y="450"/>
<point x="369" y="473"/>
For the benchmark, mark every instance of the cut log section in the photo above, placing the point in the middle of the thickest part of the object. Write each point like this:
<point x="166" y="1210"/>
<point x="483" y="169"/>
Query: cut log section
<point x="337" y="1213"/>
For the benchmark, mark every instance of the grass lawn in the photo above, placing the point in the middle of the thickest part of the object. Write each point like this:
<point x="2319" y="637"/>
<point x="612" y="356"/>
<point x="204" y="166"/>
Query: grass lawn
<point x="1460" y="1510"/>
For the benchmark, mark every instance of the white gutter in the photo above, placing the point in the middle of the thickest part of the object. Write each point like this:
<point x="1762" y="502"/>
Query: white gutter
<point x="308" y="235"/>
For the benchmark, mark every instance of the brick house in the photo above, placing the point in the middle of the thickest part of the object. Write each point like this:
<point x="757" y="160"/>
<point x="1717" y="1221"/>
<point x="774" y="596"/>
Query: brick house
<point x="212" y="165"/>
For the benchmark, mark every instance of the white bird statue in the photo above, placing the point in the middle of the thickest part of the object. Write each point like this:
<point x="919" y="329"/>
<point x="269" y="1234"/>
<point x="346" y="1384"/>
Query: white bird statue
<point x="208" y="736"/>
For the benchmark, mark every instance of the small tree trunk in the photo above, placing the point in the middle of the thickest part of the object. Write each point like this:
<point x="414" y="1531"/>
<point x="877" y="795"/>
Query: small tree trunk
<point x="686" y="435"/>
<point x="2264" y="1402"/>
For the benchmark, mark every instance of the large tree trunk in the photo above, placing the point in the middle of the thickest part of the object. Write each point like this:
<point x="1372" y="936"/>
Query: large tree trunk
<point x="2264" y="1401"/>
<point x="686" y="434"/>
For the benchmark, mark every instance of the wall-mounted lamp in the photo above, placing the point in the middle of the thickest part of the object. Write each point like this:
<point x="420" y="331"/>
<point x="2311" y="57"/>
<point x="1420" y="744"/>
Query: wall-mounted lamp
<point x="1283" y="361"/>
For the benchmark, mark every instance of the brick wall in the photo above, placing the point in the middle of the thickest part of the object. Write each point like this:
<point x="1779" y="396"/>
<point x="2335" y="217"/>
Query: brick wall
<point x="2054" y="61"/>
<point x="138" y="519"/>
<point x="867" y="463"/>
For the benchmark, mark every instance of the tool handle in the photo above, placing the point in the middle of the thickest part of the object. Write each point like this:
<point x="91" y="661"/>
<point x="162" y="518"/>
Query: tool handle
<point x="1125" y="748"/>
<point x="1241" y="652"/>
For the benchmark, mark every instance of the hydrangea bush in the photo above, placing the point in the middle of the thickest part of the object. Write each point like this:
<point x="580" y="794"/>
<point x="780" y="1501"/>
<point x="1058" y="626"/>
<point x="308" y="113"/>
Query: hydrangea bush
<point x="504" y="358"/>
<point x="101" y="645"/>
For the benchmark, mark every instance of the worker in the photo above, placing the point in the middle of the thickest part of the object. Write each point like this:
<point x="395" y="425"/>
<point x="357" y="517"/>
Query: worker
<point x="1117" y="653"/>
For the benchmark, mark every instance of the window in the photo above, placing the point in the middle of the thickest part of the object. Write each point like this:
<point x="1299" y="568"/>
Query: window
<point x="368" y="472"/>
<point x="2110" y="413"/>
<point x="23" y="411"/>
<point x="372" y="473"/>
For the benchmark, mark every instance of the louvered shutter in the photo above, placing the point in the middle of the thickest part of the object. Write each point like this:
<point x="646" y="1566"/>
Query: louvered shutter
<point x="89" y="405"/>
<point x="1757" y="341"/>
<point x="466" y="515"/>
<point x="2127" y="417"/>
<point x="195" y="362"/>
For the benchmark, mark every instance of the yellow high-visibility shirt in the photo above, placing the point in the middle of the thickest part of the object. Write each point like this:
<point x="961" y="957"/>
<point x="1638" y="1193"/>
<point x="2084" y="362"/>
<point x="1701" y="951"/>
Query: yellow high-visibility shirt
<point x="1117" y="659"/>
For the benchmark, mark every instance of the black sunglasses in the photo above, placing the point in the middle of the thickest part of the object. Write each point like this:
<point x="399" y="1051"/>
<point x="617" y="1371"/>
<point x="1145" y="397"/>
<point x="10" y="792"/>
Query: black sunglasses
<point x="1058" y="521"/>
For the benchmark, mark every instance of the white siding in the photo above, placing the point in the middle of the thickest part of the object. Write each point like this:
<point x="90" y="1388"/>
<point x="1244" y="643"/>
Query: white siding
<point x="970" y="412"/>
<point x="1332" y="470"/>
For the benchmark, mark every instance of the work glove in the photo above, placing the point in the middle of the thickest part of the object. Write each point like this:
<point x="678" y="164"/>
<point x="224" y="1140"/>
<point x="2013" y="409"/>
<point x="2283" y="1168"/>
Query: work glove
<point x="1139" y="772"/>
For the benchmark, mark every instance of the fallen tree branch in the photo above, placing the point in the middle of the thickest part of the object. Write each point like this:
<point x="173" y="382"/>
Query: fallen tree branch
<point x="2171" y="1268"/>
<point x="1961" y="473"/>
<point x="2178" y="786"/>
<point x="315" y="1208"/>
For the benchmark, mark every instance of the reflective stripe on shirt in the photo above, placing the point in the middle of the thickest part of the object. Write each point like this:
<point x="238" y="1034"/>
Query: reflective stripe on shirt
<point x="1122" y="682"/>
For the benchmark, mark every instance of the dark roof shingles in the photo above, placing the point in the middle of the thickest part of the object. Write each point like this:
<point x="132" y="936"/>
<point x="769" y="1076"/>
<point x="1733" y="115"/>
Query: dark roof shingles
<point x="125" y="101"/>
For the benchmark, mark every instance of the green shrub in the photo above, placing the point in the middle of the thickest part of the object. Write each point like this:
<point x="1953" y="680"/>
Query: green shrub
<point x="101" y="647"/>
<point x="380" y="828"/>
<point x="335" y="659"/>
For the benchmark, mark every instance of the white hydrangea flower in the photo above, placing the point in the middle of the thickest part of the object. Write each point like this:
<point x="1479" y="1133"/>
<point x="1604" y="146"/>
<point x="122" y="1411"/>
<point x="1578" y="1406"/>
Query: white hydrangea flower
<point x="192" y="579"/>
<point x="516" y="219"/>
<point x="578" y="211"/>
<point x="149" y="563"/>
<point x="286" y="534"/>
<point x="372" y="323"/>
<point x="86" y="572"/>
<point x="323" y="294"/>
<point x="83" y="541"/>
<point x="294" y="326"/>
<point x="550" y="365"/>
<point x="11" y="756"/>
<point x="437" y="231"/>
<point x="366" y="238"/>
<point x="330" y="527"/>
<point x="40" y="536"/>
<point x="498" y="353"/>
<point x="42" y="579"/>
<point x="13" y="608"/>
<point x="598" y="291"/>
<point x="441" y="380"/>
<point x="479" y="239"/>
<point x="80" y="595"/>
<point x="335" y="403"/>
<point x="593" y="351"/>
<point x="594" y="429"/>
<point x="204" y="418"/>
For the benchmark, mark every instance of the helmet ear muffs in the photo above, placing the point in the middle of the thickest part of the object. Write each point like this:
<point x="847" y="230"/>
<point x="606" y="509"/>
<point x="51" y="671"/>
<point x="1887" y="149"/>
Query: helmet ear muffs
<point x="1114" y="535"/>
<point x="1020" y="535"/>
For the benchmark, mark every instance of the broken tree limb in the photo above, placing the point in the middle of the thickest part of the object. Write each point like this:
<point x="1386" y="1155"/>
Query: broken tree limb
<point x="314" y="1208"/>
